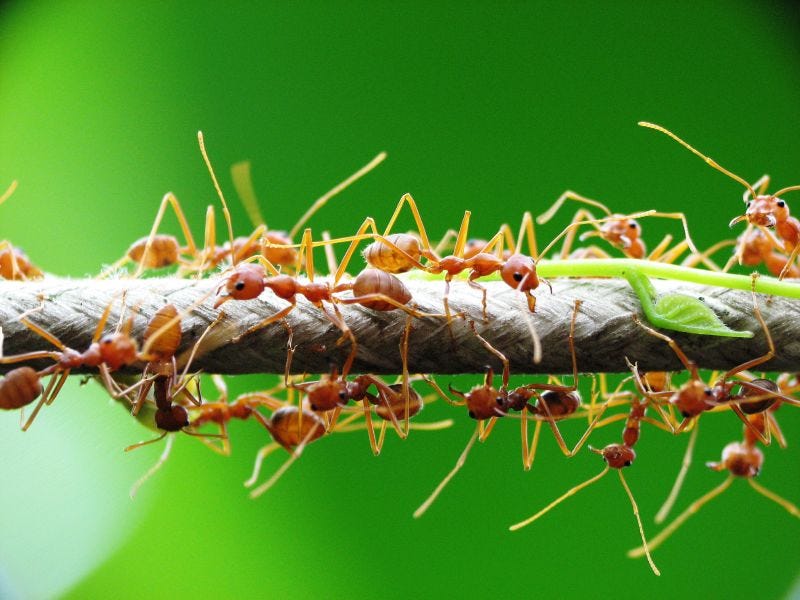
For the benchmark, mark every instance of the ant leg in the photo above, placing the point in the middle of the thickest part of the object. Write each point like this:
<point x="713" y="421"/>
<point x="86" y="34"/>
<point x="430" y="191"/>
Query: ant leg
<point x="262" y="454"/>
<point x="498" y="354"/>
<point x="569" y="195"/>
<point x="152" y="470"/>
<point x="705" y="257"/>
<point x="330" y="256"/>
<point x="145" y="443"/>
<point x="670" y="529"/>
<point x="276" y="317"/>
<point x="412" y="205"/>
<point x="688" y="364"/>
<point x="529" y="453"/>
<point x="169" y="199"/>
<point x="477" y="286"/>
<point x="559" y="500"/>
<point x="459" y="463"/>
<point x="682" y="217"/>
<point x="322" y="200"/>
<point x="284" y="467"/>
<point x="347" y="333"/>
<point x="526" y="231"/>
<point x="639" y="522"/>
<point x="226" y="213"/>
<point x="791" y="508"/>
<point x="662" y="513"/>
<point x="790" y="262"/>
<point x="461" y="238"/>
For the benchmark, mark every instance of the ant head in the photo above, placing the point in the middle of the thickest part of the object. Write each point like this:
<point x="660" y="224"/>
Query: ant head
<point x="328" y="394"/>
<point x="617" y="456"/>
<point x="765" y="211"/>
<point x="740" y="459"/>
<point x="519" y="272"/>
<point x="244" y="283"/>
<point x="558" y="404"/>
<point x="760" y="391"/>
<point x="620" y="231"/>
<point x="118" y="350"/>
<point x="693" y="398"/>
<point x="173" y="419"/>
<point x="289" y="426"/>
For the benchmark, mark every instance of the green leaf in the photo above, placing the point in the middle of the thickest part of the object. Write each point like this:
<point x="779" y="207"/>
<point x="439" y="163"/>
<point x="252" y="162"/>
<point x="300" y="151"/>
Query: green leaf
<point x="678" y="312"/>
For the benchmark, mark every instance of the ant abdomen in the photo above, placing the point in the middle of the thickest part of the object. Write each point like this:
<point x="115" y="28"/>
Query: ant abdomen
<point x="19" y="388"/>
<point x="376" y="281"/>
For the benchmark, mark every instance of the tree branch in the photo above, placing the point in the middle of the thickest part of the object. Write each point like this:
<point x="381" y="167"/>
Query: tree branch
<point x="605" y="331"/>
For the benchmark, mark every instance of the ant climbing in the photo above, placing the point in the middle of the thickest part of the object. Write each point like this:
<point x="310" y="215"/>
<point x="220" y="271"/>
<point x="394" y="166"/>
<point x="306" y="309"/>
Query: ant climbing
<point x="762" y="209"/>
<point x="372" y="288"/>
<point x="616" y="456"/>
<point x="107" y="352"/>
<point x="621" y="231"/>
<point x="740" y="459"/>
<point x="400" y="252"/>
<point x="14" y="263"/>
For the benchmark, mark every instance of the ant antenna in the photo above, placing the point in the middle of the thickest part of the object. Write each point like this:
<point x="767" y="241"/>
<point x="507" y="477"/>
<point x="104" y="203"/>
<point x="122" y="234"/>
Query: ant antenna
<point x="709" y="161"/>
<point x="7" y="194"/>
<point x="322" y="200"/>
<point x="225" y="210"/>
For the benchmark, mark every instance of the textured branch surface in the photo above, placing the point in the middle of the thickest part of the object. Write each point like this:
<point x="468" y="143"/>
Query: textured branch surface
<point x="605" y="331"/>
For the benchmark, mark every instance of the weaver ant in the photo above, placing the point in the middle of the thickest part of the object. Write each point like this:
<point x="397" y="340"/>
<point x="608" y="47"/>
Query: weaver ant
<point x="762" y="209"/>
<point x="14" y="263"/>
<point x="107" y="352"/>
<point x="621" y="231"/>
<point x="740" y="459"/>
<point x="616" y="456"/>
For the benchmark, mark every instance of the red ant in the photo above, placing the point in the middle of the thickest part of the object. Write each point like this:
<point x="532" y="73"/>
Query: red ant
<point x="107" y="352"/>
<point x="621" y="231"/>
<point x="763" y="210"/>
<point x="616" y="456"/>
<point x="740" y="460"/>
<point x="397" y="253"/>
<point x="372" y="288"/>
<point x="14" y="263"/>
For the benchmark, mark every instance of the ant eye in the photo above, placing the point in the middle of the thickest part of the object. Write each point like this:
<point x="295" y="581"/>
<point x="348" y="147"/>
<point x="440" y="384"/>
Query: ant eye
<point x="633" y="225"/>
<point x="749" y="202"/>
<point x="471" y="414"/>
<point x="499" y="400"/>
<point x="628" y="463"/>
<point x="685" y="414"/>
<point x="781" y="203"/>
<point x="517" y="276"/>
<point x="239" y="285"/>
<point x="342" y="395"/>
<point x="707" y="391"/>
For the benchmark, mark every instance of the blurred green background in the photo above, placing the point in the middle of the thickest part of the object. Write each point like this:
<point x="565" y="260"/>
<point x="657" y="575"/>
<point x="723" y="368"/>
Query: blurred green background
<point x="495" y="107"/>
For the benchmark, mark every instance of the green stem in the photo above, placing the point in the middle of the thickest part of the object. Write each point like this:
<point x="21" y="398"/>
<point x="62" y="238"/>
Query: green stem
<point x="616" y="267"/>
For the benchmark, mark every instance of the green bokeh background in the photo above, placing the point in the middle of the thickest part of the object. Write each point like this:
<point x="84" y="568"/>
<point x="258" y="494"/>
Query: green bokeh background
<point x="493" y="107"/>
